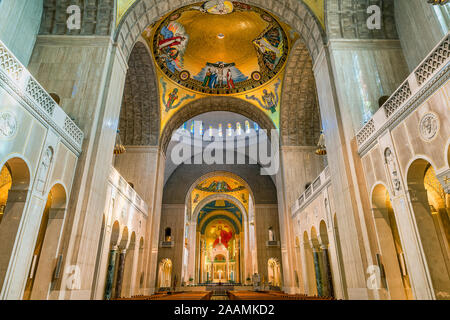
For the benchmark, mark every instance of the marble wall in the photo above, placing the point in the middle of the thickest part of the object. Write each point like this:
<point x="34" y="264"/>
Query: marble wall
<point x="420" y="27"/>
<point x="20" y="22"/>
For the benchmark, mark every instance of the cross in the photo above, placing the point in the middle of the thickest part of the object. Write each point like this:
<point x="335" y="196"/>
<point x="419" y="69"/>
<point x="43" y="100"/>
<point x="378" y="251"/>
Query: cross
<point x="446" y="179"/>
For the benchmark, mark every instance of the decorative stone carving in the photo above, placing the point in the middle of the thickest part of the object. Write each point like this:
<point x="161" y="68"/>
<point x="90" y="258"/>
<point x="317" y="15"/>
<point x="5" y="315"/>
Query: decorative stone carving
<point x="8" y="124"/>
<point x="392" y="169"/>
<point x="429" y="126"/>
<point x="44" y="169"/>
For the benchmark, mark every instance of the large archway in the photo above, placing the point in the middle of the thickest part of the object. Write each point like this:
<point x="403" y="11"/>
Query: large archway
<point x="295" y="13"/>
<point x="428" y="205"/>
<point x="14" y="192"/>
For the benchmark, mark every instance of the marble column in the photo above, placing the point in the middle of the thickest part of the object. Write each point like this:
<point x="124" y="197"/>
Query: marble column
<point x="121" y="267"/>
<point x="328" y="277"/>
<point x="317" y="271"/>
<point x="9" y="227"/>
<point x="430" y="241"/>
<point x="110" y="273"/>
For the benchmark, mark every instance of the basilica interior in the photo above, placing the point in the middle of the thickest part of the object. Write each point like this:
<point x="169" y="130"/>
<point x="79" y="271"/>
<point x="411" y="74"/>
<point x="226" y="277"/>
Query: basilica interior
<point x="291" y="149"/>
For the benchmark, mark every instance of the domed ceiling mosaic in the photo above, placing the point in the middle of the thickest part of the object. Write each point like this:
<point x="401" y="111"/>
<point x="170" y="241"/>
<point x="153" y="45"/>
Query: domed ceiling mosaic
<point x="220" y="47"/>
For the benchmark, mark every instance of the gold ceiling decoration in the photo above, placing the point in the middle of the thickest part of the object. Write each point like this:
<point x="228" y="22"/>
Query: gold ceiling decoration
<point x="219" y="47"/>
<point x="219" y="185"/>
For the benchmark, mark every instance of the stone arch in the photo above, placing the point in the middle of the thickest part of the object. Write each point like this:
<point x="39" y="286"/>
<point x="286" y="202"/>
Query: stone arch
<point x="219" y="173"/>
<point x="124" y="238"/>
<point x="219" y="197"/>
<point x="128" y="272"/>
<point x="213" y="103"/>
<point x="295" y="13"/>
<point x="115" y="233"/>
<point x="323" y="233"/>
<point x="274" y="272"/>
<point x="13" y="212"/>
<point x="165" y="273"/>
<point x="263" y="187"/>
<point x="47" y="244"/>
<point x="140" y="113"/>
<point x="390" y="244"/>
<point x="430" y="222"/>
<point x="309" y="265"/>
<point x="300" y="115"/>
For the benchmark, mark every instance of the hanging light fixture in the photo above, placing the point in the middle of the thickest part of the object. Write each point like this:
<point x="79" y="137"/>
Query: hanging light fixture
<point x="321" y="149"/>
<point x="119" y="147"/>
<point x="440" y="2"/>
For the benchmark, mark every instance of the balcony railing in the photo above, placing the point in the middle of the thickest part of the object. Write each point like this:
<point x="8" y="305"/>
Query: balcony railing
<point x="17" y="78"/>
<point x="127" y="191"/>
<point x="312" y="191"/>
<point x="433" y="69"/>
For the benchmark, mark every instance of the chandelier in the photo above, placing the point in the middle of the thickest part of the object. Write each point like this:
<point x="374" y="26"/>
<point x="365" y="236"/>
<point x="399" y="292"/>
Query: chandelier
<point x="321" y="149"/>
<point x="119" y="147"/>
<point x="440" y="2"/>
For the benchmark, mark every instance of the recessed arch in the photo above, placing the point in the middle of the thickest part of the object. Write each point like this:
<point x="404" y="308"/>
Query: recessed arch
<point x="47" y="244"/>
<point x="140" y="112"/>
<point x="16" y="194"/>
<point x="115" y="233"/>
<point x="390" y="244"/>
<point x="431" y="223"/>
<point x="215" y="197"/>
<point x="299" y="114"/>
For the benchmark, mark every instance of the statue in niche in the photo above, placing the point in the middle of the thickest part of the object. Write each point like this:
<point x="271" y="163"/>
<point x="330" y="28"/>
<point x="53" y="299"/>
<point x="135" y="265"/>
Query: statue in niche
<point x="392" y="168"/>
<point x="271" y="234"/>
<point x="44" y="170"/>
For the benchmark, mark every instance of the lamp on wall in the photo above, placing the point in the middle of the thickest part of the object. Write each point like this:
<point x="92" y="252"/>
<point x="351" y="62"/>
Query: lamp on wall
<point x="440" y="2"/>
<point x="321" y="149"/>
<point x="119" y="147"/>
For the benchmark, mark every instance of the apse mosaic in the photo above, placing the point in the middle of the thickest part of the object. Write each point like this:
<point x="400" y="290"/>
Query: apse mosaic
<point x="220" y="185"/>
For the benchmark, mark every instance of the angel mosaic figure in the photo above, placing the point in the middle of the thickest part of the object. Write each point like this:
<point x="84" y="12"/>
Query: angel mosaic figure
<point x="269" y="99"/>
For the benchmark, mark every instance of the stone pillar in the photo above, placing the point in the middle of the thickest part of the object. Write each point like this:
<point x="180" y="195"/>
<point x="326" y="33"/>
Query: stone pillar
<point x="430" y="241"/>
<point x="110" y="273"/>
<point x="47" y="258"/>
<point x="121" y="267"/>
<point x="9" y="227"/>
<point x="92" y="97"/>
<point x="237" y="262"/>
<point x="317" y="271"/>
<point x="389" y="253"/>
<point x="304" y="265"/>
<point x="327" y="271"/>
<point x="299" y="166"/>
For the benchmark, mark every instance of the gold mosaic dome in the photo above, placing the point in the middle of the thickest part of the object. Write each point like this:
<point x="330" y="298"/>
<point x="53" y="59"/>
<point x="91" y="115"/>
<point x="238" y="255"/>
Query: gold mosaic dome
<point x="219" y="47"/>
